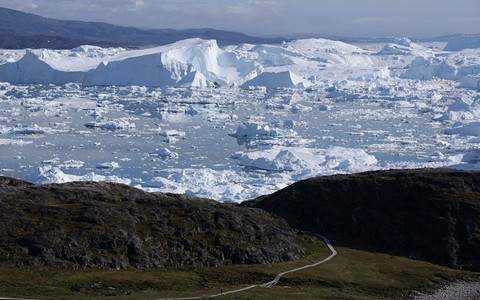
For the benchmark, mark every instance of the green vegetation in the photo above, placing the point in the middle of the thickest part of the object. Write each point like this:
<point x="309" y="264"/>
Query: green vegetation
<point x="352" y="274"/>
<point x="92" y="240"/>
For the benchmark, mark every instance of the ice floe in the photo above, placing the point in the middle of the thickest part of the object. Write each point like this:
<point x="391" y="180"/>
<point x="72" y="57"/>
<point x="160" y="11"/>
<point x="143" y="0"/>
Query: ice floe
<point x="111" y="124"/>
<point x="165" y="153"/>
<point x="469" y="129"/>
<point x="261" y="130"/>
<point x="52" y="174"/>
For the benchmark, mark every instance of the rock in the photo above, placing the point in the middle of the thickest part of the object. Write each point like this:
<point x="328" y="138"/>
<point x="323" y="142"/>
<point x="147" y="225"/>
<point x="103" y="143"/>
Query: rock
<point x="76" y="288"/>
<point x="425" y="214"/>
<point x="114" y="226"/>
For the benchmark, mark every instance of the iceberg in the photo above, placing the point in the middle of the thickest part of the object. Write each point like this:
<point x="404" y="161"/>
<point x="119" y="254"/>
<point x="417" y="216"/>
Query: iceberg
<point x="463" y="42"/>
<point x="462" y="66"/>
<point x="192" y="62"/>
<point x="260" y="130"/>
<point x="404" y="46"/>
<point x="189" y="63"/>
<point x="308" y="161"/>
<point x="279" y="79"/>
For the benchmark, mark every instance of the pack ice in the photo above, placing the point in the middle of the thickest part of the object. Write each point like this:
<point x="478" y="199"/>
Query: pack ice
<point x="237" y="122"/>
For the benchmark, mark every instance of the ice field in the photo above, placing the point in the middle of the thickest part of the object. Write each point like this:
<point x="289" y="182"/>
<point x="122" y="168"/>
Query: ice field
<point x="237" y="122"/>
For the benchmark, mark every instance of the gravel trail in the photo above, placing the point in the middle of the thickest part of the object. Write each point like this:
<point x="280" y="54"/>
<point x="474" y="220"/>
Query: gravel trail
<point x="458" y="290"/>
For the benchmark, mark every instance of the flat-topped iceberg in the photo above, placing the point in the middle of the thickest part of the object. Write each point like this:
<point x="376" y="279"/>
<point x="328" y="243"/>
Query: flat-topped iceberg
<point x="462" y="42"/>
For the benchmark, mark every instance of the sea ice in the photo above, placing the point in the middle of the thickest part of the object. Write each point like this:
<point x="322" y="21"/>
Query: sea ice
<point x="111" y="124"/>
<point x="52" y="174"/>
<point x="165" y="153"/>
<point x="324" y="107"/>
<point x="108" y="165"/>
<point x="469" y="129"/>
<point x="261" y="130"/>
<point x="309" y="161"/>
<point x="471" y="81"/>
<point x="404" y="46"/>
<point x="280" y="79"/>
<point x="14" y="142"/>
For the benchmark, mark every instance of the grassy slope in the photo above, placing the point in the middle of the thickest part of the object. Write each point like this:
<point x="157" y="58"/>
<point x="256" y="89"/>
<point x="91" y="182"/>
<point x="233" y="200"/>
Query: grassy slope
<point x="352" y="274"/>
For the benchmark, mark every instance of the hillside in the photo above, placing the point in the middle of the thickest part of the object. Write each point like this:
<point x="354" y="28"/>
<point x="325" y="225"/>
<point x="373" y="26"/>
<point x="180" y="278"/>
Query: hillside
<point x="23" y="30"/>
<point x="425" y="214"/>
<point x="91" y="240"/>
<point x="113" y="226"/>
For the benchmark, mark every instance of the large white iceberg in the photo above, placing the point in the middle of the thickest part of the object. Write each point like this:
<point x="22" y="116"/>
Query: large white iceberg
<point x="192" y="62"/>
<point x="404" y="46"/>
<point x="463" y="42"/>
<point x="463" y="66"/>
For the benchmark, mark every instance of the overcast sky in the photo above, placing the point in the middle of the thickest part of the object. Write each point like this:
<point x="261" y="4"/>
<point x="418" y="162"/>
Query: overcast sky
<point x="366" y="18"/>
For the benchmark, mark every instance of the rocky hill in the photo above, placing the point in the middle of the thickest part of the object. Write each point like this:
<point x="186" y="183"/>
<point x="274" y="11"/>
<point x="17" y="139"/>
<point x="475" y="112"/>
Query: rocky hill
<point x="113" y="226"/>
<point x="426" y="214"/>
<point x="24" y="30"/>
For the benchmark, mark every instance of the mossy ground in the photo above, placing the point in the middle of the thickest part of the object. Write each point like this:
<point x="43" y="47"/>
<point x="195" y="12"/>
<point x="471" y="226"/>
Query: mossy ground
<point x="352" y="274"/>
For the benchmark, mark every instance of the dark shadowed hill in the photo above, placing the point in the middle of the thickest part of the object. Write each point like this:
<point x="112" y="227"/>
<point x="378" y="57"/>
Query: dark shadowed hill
<point x="426" y="214"/>
<point x="22" y="30"/>
<point x="114" y="226"/>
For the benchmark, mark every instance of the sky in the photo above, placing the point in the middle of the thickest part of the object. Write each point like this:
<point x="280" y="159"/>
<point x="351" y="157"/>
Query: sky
<point x="347" y="18"/>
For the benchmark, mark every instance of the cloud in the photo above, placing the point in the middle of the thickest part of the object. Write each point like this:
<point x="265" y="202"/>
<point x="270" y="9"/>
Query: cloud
<point x="19" y="4"/>
<point x="32" y="5"/>
<point x="262" y="2"/>
<point x="272" y="17"/>
<point x="365" y="20"/>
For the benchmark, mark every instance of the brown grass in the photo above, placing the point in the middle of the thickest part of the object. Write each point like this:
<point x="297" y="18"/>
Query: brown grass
<point x="352" y="274"/>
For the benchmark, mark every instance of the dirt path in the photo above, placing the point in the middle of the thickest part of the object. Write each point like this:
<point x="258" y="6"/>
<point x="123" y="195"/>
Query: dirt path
<point x="270" y="283"/>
